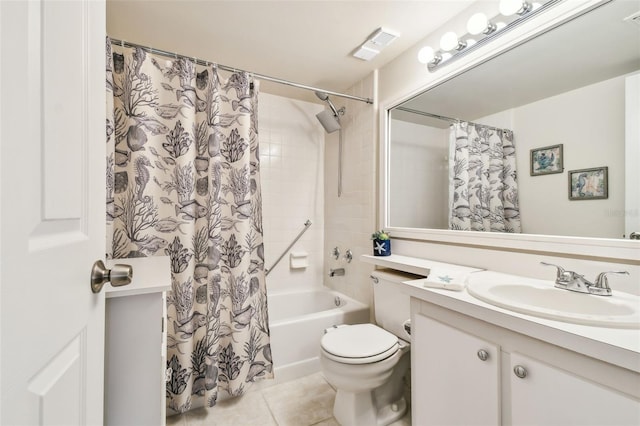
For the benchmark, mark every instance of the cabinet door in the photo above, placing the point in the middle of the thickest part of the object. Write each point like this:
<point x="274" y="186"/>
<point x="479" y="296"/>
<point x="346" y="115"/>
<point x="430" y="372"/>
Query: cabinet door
<point x="135" y="360"/>
<point x="550" y="396"/>
<point x="451" y="385"/>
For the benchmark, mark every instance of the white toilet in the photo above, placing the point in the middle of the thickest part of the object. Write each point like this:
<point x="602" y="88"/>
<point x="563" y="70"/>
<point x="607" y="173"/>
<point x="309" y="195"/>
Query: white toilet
<point x="366" y="362"/>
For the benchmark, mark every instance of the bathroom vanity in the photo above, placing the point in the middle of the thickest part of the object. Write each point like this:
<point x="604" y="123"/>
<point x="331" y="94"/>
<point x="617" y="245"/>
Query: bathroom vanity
<point x="476" y="363"/>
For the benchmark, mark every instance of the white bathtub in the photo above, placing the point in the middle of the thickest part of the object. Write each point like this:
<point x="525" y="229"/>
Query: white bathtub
<point x="297" y="320"/>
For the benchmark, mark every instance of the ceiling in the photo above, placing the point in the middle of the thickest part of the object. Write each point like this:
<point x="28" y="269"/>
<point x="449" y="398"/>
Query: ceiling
<point x="307" y="42"/>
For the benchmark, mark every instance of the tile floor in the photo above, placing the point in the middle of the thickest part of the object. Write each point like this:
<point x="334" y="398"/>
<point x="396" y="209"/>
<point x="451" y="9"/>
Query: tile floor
<point x="307" y="401"/>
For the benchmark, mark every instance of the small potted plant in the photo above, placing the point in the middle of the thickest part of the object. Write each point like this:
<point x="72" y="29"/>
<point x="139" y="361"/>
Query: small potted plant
<point x="381" y="243"/>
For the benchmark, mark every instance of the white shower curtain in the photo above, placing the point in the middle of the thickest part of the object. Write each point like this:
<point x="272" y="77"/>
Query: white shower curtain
<point x="483" y="190"/>
<point x="184" y="181"/>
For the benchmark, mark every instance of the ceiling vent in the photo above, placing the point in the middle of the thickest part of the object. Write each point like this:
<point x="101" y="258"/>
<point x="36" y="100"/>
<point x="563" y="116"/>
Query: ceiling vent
<point x="377" y="41"/>
<point x="382" y="37"/>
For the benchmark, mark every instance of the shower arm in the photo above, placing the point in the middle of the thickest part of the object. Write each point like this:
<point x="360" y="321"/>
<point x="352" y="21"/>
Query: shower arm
<point x="307" y="224"/>
<point x="336" y="112"/>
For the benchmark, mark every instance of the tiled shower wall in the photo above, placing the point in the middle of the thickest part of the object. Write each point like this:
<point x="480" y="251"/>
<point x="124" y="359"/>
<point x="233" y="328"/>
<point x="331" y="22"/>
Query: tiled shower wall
<point x="351" y="219"/>
<point x="291" y="164"/>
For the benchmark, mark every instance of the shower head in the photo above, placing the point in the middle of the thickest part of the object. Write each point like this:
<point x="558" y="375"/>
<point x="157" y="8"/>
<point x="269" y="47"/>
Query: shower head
<point x="330" y="120"/>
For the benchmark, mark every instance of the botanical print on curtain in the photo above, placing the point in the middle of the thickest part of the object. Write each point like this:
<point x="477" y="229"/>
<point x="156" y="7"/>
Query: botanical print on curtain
<point x="483" y="190"/>
<point x="184" y="181"/>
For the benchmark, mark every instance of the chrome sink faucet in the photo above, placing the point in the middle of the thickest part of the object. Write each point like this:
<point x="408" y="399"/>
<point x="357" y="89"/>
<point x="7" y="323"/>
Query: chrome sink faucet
<point x="569" y="280"/>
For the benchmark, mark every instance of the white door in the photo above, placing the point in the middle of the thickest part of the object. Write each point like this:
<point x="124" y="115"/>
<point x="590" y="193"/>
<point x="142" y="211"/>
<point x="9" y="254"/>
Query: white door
<point x="52" y="191"/>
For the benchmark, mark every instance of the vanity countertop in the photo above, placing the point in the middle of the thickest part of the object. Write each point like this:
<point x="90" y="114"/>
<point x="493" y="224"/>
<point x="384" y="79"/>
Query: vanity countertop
<point x="617" y="346"/>
<point x="150" y="275"/>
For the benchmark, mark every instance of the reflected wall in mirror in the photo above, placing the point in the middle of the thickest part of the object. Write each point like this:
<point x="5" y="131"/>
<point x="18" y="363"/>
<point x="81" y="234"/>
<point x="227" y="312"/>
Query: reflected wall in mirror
<point x="567" y="86"/>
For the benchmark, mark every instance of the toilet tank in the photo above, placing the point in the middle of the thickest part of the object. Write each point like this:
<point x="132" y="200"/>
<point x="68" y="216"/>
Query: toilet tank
<point x="391" y="306"/>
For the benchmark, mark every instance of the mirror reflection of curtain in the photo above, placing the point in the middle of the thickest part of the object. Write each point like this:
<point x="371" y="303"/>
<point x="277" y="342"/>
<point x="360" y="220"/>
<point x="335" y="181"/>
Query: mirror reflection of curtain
<point x="183" y="180"/>
<point x="483" y="190"/>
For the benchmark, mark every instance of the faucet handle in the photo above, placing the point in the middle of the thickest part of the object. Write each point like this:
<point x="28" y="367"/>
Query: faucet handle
<point x="336" y="253"/>
<point x="602" y="282"/>
<point x="561" y="274"/>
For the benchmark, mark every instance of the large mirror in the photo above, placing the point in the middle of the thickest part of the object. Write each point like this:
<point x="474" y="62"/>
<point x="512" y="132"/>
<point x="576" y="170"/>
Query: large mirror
<point x="563" y="95"/>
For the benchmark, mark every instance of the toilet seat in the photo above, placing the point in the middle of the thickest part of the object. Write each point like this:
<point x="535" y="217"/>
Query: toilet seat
<point x="359" y="344"/>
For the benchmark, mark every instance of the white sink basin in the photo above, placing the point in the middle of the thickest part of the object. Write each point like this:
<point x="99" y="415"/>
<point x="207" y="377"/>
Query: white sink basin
<point x="621" y="310"/>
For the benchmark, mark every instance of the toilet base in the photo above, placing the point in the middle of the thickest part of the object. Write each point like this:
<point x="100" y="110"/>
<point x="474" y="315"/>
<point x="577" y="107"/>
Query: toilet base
<point x="354" y="409"/>
<point x="392" y="412"/>
<point x="357" y="409"/>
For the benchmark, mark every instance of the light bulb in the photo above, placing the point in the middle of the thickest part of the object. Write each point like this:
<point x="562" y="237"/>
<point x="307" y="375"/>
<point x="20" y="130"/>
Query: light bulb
<point x="449" y="41"/>
<point x="510" y="7"/>
<point x="426" y="55"/>
<point x="477" y="23"/>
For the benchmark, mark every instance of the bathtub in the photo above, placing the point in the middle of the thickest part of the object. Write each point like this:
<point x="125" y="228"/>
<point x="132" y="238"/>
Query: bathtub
<point x="297" y="320"/>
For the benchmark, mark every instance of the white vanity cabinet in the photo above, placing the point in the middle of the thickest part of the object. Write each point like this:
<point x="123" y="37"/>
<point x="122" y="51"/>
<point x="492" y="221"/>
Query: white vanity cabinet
<point x="544" y="395"/>
<point x="135" y="345"/>
<point x="451" y="385"/>
<point x="456" y="376"/>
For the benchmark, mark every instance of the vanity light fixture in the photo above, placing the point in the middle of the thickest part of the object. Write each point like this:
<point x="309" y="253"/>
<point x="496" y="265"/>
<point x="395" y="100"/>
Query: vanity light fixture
<point x="427" y="55"/>
<point x="514" y="7"/>
<point x="480" y="24"/>
<point x="481" y="30"/>
<point x="376" y="41"/>
<point x="450" y="41"/>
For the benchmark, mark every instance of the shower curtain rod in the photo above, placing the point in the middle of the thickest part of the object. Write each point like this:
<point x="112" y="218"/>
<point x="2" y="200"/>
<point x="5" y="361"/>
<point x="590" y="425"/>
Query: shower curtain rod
<point x="444" y="118"/>
<point x="232" y="69"/>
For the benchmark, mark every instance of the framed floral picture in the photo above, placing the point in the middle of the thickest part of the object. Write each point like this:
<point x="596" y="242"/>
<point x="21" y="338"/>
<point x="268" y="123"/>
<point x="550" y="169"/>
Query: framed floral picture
<point x="546" y="160"/>
<point x="589" y="184"/>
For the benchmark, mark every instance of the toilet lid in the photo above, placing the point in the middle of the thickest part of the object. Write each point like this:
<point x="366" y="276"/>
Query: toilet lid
<point x="360" y="341"/>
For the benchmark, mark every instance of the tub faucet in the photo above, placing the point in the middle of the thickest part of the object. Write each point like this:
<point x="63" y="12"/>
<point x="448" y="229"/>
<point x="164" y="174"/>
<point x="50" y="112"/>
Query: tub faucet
<point x="572" y="281"/>
<point x="338" y="272"/>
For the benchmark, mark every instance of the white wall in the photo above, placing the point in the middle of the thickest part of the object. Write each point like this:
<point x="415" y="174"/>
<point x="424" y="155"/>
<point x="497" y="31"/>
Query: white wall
<point x="351" y="219"/>
<point x="291" y="163"/>
<point x="591" y="129"/>
<point x="419" y="181"/>
<point x="589" y="123"/>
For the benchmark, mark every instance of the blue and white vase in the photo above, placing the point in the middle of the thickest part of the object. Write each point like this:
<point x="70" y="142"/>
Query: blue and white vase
<point x="381" y="247"/>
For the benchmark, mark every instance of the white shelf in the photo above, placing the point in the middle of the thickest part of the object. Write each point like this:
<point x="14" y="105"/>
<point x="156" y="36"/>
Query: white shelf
<point x="412" y="265"/>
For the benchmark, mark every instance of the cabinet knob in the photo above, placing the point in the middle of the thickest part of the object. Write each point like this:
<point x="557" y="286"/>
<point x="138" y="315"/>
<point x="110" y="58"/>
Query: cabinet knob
<point x="483" y="355"/>
<point x="520" y="371"/>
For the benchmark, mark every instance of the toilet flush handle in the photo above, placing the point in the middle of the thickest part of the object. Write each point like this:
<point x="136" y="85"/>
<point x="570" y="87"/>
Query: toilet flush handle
<point x="407" y="326"/>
